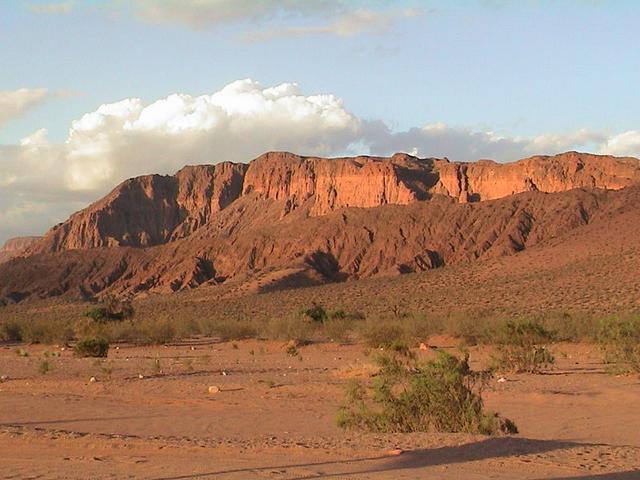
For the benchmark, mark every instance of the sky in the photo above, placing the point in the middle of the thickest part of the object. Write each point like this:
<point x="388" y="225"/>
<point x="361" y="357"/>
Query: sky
<point x="94" y="92"/>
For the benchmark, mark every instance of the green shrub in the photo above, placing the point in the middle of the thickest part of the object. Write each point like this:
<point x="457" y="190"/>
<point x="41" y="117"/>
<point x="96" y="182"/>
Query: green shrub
<point x="521" y="346"/>
<point x="619" y="339"/>
<point x="316" y="312"/>
<point x="91" y="347"/>
<point x="10" y="332"/>
<point x="111" y="309"/>
<point x="441" y="395"/>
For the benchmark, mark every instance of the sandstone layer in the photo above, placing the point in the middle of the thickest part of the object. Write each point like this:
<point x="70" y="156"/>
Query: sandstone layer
<point x="287" y="221"/>
<point x="15" y="246"/>
<point x="154" y="209"/>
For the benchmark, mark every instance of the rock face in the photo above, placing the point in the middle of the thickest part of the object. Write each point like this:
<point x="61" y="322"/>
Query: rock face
<point x="153" y="210"/>
<point x="149" y="210"/>
<point x="285" y="221"/>
<point x="15" y="246"/>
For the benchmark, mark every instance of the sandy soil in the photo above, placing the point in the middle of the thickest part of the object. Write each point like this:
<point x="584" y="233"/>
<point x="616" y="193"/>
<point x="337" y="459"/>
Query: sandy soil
<point x="149" y="414"/>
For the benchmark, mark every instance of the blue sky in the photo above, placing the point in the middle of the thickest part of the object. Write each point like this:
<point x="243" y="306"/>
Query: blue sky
<point x="463" y="79"/>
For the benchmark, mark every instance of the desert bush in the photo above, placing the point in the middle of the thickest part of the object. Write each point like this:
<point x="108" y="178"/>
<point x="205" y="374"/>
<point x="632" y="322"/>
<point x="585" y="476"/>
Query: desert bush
<point x="619" y="339"/>
<point x="156" y="331"/>
<point x="316" y="312"/>
<point x="441" y="395"/>
<point x="419" y="327"/>
<point x="383" y="334"/>
<point x="297" y="328"/>
<point x="44" y="366"/>
<point x="10" y="332"/>
<point x="569" y="326"/>
<point x="521" y="346"/>
<point x="91" y="347"/>
<point x="44" y="331"/>
<point x="111" y="308"/>
<point x="338" y="330"/>
<point x="234" y="329"/>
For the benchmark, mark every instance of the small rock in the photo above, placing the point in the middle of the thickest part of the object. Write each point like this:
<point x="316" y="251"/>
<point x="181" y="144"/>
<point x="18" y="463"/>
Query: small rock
<point x="140" y="376"/>
<point x="502" y="380"/>
<point x="423" y="347"/>
<point x="93" y="380"/>
<point x="213" y="389"/>
<point x="4" y="378"/>
<point x="224" y="373"/>
<point x="395" y="451"/>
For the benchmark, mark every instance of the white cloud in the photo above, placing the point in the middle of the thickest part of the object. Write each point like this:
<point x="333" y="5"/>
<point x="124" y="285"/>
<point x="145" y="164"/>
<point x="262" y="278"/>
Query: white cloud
<point x="129" y="138"/>
<point x="285" y="17"/>
<point x="465" y="144"/>
<point x="53" y="8"/>
<point x="627" y="143"/>
<point x="14" y="103"/>
<point x="346" y="25"/>
<point x="209" y="13"/>
<point x="236" y="123"/>
<point x="41" y="182"/>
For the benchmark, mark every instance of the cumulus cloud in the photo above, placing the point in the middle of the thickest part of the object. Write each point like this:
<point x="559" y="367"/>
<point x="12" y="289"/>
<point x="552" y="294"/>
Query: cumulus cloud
<point x="627" y="143"/>
<point x="236" y="123"/>
<point x="465" y="144"/>
<point x="14" y="103"/>
<point x="128" y="138"/>
<point x="42" y="182"/>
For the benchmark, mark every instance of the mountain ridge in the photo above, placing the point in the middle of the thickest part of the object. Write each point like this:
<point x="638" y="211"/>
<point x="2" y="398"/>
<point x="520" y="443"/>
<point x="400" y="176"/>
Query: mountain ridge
<point x="285" y="221"/>
<point x="153" y="209"/>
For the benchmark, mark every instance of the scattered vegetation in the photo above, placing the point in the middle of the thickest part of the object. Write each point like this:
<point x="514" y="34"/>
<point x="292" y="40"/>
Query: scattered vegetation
<point x="91" y="347"/>
<point x="156" y="366"/>
<point x="111" y="309"/>
<point x="295" y="328"/>
<point x="292" y="350"/>
<point x="522" y="347"/>
<point x="619" y="340"/>
<point x="106" y="369"/>
<point x="10" y="332"/>
<point x="383" y="335"/>
<point x="44" y="366"/>
<point x="233" y="330"/>
<point x="316" y="312"/>
<point x="407" y="395"/>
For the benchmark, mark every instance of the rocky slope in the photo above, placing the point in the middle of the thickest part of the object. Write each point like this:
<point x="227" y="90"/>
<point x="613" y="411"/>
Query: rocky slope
<point x="154" y="209"/>
<point x="284" y="220"/>
<point x="15" y="246"/>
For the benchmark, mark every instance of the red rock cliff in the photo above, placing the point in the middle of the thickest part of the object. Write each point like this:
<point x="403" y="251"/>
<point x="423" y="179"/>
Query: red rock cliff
<point x="154" y="209"/>
<point x="15" y="246"/>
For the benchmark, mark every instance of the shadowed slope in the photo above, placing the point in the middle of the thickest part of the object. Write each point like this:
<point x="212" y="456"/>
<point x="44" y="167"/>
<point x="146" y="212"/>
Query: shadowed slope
<point x="285" y="221"/>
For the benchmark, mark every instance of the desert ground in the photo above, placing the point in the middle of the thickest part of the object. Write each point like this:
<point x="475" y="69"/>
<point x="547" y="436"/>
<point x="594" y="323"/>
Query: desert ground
<point x="149" y="413"/>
